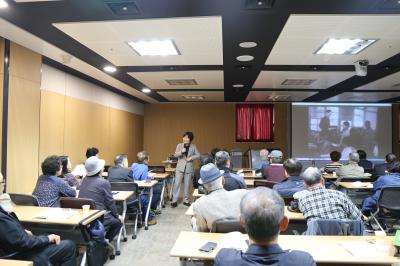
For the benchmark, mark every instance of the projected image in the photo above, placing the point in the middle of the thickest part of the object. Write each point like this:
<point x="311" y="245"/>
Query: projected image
<point x="343" y="129"/>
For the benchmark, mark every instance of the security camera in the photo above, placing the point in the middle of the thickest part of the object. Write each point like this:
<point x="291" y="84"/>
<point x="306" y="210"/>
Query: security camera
<point x="361" y="67"/>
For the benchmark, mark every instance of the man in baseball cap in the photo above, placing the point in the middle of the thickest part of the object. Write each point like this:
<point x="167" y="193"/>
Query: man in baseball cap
<point x="218" y="203"/>
<point x="275" y="171"/>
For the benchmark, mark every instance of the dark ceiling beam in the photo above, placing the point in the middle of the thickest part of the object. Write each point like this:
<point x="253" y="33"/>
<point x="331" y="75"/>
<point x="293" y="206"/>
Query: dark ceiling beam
<point x="170" y="68"/>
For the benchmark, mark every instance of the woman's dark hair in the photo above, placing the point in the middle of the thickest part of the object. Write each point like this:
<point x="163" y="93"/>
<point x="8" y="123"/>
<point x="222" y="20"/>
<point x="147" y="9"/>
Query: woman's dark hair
<point x="206" y="158"/>
<point x="51" y="165"/>
<point x="189" y="135"/>
<point x="93" y="151"/>
<point x="64" y="164"/>
<point x="214" y="151"/>
<point x="393" y="167"/>
<point x="390" y="157"/>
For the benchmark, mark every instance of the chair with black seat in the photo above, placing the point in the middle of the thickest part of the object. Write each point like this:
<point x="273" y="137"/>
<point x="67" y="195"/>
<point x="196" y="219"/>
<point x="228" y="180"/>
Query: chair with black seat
<point x="335" y="227"/>
<point x="388" y="209"/>
<point x="24" y="199"/>
<point x="133" y="201"/>
<point x="264" y="183"/>
<point x="227" y="225"/>
<point x="76" y="203"/>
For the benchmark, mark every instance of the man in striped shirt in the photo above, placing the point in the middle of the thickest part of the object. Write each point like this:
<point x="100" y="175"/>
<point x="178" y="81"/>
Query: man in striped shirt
<point x="335" y="164"/>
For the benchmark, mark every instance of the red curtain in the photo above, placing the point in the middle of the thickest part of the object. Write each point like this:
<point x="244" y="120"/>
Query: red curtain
<point x="243" y="122"/>
<point x="254" y="122"/>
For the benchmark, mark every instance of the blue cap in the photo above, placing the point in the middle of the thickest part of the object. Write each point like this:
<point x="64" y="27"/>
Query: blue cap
<point x="209" y="173"/>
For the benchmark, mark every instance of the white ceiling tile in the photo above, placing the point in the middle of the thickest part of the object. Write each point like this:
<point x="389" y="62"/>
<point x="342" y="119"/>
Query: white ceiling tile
<point x="262" y="96"/>
<point x="204" y="79"/>
<point x="199" y="39"/>
<point x="303" y="35"/>
<point x="385" y="83"/>
<point x="210" y="96"/>
<point x="363" y="96"/>
<point x="274" y="79"/>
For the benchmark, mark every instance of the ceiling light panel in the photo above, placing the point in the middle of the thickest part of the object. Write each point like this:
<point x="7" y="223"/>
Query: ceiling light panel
<point x="154" y="48"/>
<point x="344" y="46"/>
<point x="181" y="82"/>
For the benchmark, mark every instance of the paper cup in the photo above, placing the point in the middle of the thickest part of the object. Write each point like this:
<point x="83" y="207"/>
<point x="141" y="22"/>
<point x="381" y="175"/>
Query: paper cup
<point x="253" y="172"/>
<point x="86" y="208"/>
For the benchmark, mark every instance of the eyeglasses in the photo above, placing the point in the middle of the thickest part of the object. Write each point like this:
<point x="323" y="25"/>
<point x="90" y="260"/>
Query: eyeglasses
<point x="4" y="182"/>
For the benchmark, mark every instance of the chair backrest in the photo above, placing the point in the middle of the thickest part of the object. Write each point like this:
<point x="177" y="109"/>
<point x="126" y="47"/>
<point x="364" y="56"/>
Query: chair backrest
<point x="236" y="158"/>
<point x="354" y="179"/>
<point x="389" y="199"/>
<point x="254" y="159"/>
<point x="106" y="167"/>
<point x="24" y="199"/>
<point x="125" y="186"/>
<point x="157" y="168"/>
<point x="227" y="225"/>
<point x="334" y="227"/>
<point x="76" y="203"/>
<point x="264" y="183"/>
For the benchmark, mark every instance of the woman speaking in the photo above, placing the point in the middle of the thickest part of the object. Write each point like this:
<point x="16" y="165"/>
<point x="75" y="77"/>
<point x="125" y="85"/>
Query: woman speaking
<point x="186" y="153"/>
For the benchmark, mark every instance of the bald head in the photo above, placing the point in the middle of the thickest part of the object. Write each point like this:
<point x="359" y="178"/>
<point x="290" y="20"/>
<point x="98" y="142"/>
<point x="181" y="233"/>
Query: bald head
<point x="262" y="211"/>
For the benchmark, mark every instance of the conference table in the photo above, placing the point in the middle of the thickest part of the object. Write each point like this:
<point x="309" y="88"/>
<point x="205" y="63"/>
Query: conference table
<point x="293" y="216"/>
<point x="122" y="196"/>
<point x="332" y="250"/>
<point x="147" y="186"/>
<point x="15" y="263"/>
<point x="163" y="178"/>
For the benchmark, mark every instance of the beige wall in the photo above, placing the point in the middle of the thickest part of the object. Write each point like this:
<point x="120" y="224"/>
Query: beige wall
<point x="46" y="122"/>
<point x="1" y="93"/>
<point x="23" y="119"/>
<point x="213" y="125"/>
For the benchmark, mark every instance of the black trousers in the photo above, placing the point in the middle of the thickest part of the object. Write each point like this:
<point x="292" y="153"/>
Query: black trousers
<point x="63" y="254"/>
<point x="112" y="226"/>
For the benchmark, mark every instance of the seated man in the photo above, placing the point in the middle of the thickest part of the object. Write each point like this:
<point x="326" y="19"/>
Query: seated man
<point x="322" y="203"/>
<point x="120" y="172"/>
<point x="49" y="187"/>
<point x="204" y="159"/>
<point x="381" y="169"/>
<point x="275" y="171"/>
<point x="262" y="215"/>
<point x="293" y="183"/>
<point x="232" y="181"/>
<point x="351" y="170"/>
<point x="218" y="203"/>
<point x="390" y="180"/>
<point x="140" y="171"/>
<point x="364" y="163"/>
<point x="264" y="160"/>
<point x="42" y="250"/>
<point x="95" y="187"/>
<point x="5" y="200"/>
<point x="335" y="162"/>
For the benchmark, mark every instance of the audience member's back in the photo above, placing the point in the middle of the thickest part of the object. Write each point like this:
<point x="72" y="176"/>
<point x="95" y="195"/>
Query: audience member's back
<point x="275" y="171"/>
<point x="120" y="172"/>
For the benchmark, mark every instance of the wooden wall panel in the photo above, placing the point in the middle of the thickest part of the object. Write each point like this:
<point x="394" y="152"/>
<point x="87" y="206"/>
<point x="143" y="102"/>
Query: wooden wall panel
<point x="24" y="63"/>
<point x="1" y="92"/>
<point x="213" y="125"/>
<point x="52" y="118"/>
<point x="23" y="135"/>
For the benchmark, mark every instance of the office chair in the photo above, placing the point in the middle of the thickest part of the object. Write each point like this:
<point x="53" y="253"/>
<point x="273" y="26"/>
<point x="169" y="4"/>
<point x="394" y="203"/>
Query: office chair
<point x="264" y="183"/>
<point x="133" y="201"/>
<point x="388" y="208"/>
<point x="24" y="199"/>
<point x="227" y="225"/>
<point x="76" y="203"/>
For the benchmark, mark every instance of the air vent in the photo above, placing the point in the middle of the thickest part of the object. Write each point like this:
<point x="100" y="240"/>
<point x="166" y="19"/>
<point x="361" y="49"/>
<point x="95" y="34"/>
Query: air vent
<point x="396" y="85"/>
<point x="279" y="98"/>
<point x="258" y="4"/>
<point x="181" y="82"/>
<point x="193" y="97"/>
<point x="298" y="82"/>
<point x="121" y="8"/>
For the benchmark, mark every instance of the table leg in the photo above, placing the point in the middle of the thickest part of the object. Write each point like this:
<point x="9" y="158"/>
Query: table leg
<point x="122" y="232"/>
<point x="148" y="209"/>
<point x="162" y="204"/>
<point x="183" y="261"/>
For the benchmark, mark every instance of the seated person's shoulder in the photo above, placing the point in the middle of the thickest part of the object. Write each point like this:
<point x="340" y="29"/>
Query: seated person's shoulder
<point x="297" y="257"/>
<point x="228" y="256"/>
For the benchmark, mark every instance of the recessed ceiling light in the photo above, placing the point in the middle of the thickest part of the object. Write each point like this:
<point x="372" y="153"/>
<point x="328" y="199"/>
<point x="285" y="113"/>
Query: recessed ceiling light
<point x="238" y="85"/>
<point x="248" y="44"/>
<point x="146" y="90"/>
<point x="153" y="48"/>
<point x="344" y="46"/>
<point x="3" y="4"/>
<point x="245" y="58"/>
<point x="110" y="69"/>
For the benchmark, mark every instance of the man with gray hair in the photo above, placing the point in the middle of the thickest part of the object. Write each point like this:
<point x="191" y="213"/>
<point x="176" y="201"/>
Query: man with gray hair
<point x="262" y="215"/>
<point x="217" y="203"/>
<point x="293" y="183"/>
<point x="322" y="203"/>
<point x="352" y="169"/>
<point x="232" y="181"/>
<point x="120" y="172"/>
<point x="275" y="171"/>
